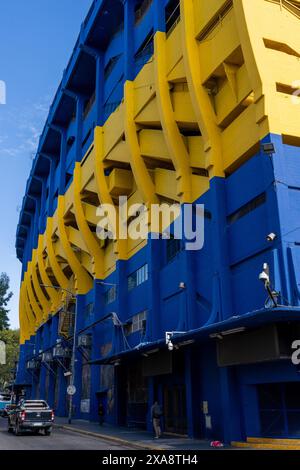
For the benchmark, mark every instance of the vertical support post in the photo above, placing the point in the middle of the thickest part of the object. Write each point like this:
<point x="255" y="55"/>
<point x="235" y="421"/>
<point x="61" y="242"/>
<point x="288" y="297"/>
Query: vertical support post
<point x="79" y="126"/>
<point x="159" y="16"/>
<point x="99" y="92"/>
<point x="72" y="369"/>
<point x="153" y="330"/>
<point x="150" y="403"/>
<point x="43" y="205"/>
<point x="129" y="39"/>
<point x="62" y="163"/>
<point x="190" y="409"/>
<point x="49" y="202"/>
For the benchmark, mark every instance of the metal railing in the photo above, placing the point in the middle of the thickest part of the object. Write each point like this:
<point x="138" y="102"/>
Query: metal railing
<point x="288" y="5"/>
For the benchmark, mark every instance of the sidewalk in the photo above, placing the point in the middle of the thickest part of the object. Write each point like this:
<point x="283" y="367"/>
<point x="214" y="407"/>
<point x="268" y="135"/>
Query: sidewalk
<point x="134" y="438"/>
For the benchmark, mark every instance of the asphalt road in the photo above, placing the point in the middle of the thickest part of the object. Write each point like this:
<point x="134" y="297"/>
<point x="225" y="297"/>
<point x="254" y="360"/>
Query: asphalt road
<point x="60" y="439"/>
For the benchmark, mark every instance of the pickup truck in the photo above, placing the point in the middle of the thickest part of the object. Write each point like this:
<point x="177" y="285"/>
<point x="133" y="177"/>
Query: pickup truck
<point x="31" y="415"/>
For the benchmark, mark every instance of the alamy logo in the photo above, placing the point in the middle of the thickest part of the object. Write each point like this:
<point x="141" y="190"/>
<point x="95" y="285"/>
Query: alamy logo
<point x="296" y="353"/>
<point x="2" y="92"/>
<point x="296" y="93"/>
<point x="140" y="221"/>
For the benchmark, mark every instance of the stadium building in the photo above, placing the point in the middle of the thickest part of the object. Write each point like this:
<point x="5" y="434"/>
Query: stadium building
<point x="169" y="101"/>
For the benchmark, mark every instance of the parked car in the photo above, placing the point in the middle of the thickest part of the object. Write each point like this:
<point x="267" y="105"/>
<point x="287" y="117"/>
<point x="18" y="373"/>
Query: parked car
<point x="5" y="411"/>
<point x="31" y="415"/>
<point x="4" y="401"/>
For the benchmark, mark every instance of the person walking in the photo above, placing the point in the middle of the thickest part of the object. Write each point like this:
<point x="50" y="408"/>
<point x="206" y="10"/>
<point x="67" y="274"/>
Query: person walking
<point x="156" y="414"/>
<point x="101" y="413"/>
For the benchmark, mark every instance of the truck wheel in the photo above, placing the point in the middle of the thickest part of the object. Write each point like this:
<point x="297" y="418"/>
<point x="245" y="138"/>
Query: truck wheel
<point x="17" y="430"/>
<point x="47" y="432"/>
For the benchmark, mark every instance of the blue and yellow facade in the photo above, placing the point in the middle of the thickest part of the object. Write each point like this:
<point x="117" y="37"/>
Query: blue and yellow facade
<point x="170" y="101"/>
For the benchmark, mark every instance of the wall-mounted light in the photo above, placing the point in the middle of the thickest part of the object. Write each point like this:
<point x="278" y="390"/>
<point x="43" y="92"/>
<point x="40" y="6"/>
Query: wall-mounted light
<point x="268" y="148"/>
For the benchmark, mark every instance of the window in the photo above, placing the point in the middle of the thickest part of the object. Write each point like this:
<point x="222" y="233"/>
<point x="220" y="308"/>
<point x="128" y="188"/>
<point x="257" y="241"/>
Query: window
<point x="86" y="377"/>
<point x="249" y="207"/>
<point x="141" y="8"/>
<point x="173" y="247"/>
<point x="111" y="65"/>
<point x="110" y="295"/>
<point x="138" y="323"/>
<point x="88" y="311"/>
<point x="138" y="277"/>
<point x="145" y="51"/>
<point x="172" y="15"/>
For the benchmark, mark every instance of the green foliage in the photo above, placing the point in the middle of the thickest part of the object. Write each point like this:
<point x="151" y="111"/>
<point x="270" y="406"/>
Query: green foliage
<point x="5" y="297"/>
<point x="11" y="339"/>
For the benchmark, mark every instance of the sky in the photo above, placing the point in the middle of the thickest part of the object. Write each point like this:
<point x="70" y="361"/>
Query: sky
<point x="36" y="41"/>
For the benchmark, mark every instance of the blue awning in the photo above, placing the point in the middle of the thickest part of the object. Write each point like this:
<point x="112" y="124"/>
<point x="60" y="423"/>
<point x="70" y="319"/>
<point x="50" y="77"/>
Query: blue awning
<point x="249" y="320"/>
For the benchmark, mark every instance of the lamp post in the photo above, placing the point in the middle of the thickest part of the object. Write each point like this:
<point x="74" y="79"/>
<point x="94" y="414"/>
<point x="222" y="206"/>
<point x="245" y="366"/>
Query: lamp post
<point x="72" y="368"/>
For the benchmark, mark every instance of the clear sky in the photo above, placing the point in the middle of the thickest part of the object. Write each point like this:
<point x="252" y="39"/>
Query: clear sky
<point x="36" y="41"/>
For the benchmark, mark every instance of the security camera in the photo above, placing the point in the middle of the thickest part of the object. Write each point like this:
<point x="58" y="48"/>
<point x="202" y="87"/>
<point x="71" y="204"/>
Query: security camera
<point x="271" y="237"/>
<point x="170" y="346"/>
<point x="263" y="277"/>
<point x="182" y="285"/>
<point x="265" y="274"/>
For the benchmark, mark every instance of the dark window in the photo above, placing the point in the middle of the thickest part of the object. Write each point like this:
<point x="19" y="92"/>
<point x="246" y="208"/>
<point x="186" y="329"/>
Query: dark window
<point x="137" y="323"/>
<point x="110" y="295"/>
<point x="89" y="104"/>
<point x="138" y="277"/>
<point x="173" y="247"/>
<point x="88" y="311"/>
<point x="111" y="65"/>
<point x="249" y="207"/>
<point x="141" y="8"/>
<point x="86" y="138"/>
<point x="69" y="178"/>
<point x="145" y="51"/>
<point x="86" y="377"/>
<point x="172" y="15"/>
<point x="70" y="142"/>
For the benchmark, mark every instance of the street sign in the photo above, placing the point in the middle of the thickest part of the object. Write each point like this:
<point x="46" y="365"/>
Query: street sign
<point x="71" y="390"/>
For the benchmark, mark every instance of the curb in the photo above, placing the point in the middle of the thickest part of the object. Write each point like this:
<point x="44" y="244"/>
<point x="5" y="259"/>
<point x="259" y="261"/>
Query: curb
<point x="105" y="437"/>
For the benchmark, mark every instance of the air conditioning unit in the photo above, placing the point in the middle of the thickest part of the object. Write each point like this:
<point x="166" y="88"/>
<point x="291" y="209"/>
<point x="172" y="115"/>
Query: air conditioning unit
<point x="32" y="364"/>
<point x="47" y="356"/>
<point x="60" y="351"/>
<point x="85" y="341"/>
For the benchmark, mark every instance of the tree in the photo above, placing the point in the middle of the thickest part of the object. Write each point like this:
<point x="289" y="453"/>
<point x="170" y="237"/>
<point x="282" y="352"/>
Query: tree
<point x="11" y="340"/>
<point x="5" y="297"/>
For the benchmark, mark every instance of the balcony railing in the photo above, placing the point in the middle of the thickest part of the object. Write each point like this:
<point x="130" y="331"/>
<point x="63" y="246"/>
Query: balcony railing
<point x="292" y="7"/>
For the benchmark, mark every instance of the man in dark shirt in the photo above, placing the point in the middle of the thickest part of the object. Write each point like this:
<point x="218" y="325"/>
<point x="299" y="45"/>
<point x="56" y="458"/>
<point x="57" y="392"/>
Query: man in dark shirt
<point x="156" y="414"/>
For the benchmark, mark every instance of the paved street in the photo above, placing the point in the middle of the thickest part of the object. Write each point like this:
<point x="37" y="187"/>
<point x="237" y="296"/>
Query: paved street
<point x="59" y="440"/>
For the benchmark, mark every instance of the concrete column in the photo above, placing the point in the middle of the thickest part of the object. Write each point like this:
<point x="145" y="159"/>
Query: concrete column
<point x="129" y="23"/>
<point x="62" y="163"/>
<point x="79" y="127"/>
<point x="154" y="256"/>
<point x="99" y="92"/>
<point x="159" y="16"/>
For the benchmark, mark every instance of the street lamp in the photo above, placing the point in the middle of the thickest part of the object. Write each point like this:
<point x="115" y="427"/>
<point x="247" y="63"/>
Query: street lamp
<point x="72" y="368"/>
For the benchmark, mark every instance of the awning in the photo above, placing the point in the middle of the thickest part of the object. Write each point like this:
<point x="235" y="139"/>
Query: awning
<point x="248" y="320"/>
